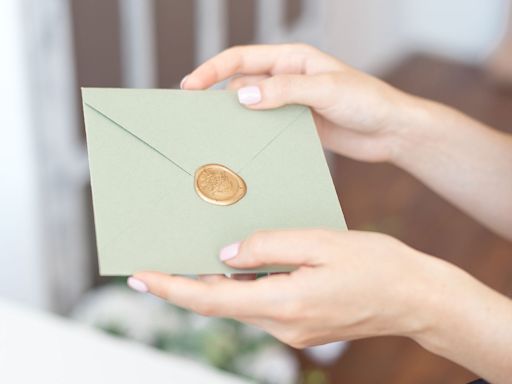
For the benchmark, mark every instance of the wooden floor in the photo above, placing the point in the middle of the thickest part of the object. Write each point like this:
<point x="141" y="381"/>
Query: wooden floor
<point x="384" y="198"/>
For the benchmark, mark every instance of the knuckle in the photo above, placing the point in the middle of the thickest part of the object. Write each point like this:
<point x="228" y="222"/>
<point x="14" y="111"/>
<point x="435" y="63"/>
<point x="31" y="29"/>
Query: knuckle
<point x="235" y="83"/>
<point x="390" y="241"/>
<point x="289" y="312"/>
<point x="381" y="238"/>
<point x="283" y="83"/>
<point x="328" y="239"/>
<point x="254" y="244"/>
<point x="324" y="235"/>
<point x="331" y="80"/>
<point x="205" y="309"/>
<point x="234" y="54"/>
<point x="279" y="87"/>
<point x="210" y="68"/>
<point x="166" y="293"/>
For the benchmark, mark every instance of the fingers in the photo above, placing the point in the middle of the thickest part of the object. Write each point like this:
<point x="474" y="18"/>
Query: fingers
<point x="211" y="278"/>
<point x="218" y="297"/>
<point x="260" y="60"/>
<point x="285" y="248"/>
<point x="318" y="92"/>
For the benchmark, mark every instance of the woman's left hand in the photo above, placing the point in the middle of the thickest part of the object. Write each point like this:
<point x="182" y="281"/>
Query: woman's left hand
<point x="347" y="285"/>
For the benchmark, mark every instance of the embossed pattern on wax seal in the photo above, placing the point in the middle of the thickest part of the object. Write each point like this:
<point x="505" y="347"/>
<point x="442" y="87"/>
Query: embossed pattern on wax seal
<point x="218" y="184"/>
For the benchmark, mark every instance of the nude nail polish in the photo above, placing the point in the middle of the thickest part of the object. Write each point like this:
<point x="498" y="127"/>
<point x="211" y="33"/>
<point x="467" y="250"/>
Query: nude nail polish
<point x="137" y="285"/>
<point x="249" y="95"/>
<point x="182" y="82"/>
<point x="229" y="251"/>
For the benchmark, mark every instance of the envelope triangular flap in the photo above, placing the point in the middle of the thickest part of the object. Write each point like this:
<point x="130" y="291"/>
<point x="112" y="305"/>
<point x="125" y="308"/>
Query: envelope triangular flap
<point x="192" y="128"/>
<point x="182" y="234"/>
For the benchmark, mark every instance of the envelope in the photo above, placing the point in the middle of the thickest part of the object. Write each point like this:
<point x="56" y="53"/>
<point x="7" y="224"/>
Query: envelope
<point x="145" y="146"/>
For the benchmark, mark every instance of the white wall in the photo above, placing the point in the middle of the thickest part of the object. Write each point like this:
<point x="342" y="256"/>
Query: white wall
<point x="20" y="241"/>
<point x="373" y="35"/>
<point x="365" y="33"/>
<point x="462" y="29"/>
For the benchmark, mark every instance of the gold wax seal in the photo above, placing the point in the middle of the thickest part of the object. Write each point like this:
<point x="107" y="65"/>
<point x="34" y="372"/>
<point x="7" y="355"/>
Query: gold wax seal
<point x="218" y="184"/>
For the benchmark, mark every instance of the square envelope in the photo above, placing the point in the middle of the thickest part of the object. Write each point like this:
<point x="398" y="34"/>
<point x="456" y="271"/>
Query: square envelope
<point x="145" y="149"/>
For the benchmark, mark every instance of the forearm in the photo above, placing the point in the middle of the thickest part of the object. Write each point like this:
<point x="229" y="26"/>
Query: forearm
<point x="468" y="323"/>
<point x="463" y="160"/>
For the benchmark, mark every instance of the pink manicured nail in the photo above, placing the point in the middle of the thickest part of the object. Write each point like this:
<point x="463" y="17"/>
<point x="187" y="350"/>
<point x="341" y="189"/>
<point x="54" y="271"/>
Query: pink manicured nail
<point x="182" y="83"/>
<point x="137" y="285"/>
<point x="229" y="251"/>
<point x="249" y="95"/>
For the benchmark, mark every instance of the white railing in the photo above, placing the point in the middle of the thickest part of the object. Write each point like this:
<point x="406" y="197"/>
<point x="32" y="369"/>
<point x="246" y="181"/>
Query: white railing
<point x="138" y="55"/>
<point x="62" y="172"/>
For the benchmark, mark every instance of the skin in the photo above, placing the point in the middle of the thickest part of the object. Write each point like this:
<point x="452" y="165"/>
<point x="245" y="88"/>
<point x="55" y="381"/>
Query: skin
<point x="351" y="284"/>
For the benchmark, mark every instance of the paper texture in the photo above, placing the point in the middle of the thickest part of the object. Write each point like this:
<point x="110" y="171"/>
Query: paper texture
<point x="144" y="146"/>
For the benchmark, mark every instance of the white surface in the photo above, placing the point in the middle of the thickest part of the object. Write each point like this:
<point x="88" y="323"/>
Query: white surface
<point x="463" y="29"/>
<point x="40" y="348"/>
<point x="366" y="33"/>
<point x="373" y="34"/>
<point x="21" y="266"/>
<point x="326" y="354"/>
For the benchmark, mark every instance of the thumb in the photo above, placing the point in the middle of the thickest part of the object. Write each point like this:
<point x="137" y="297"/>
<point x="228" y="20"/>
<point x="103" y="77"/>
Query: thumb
<point x="316" y="91"/>
<point x="286" y="248"/>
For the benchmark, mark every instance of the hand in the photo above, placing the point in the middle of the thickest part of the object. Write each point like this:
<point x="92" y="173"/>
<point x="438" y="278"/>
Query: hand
<point x="364" y="118"/>
<point x="350" y="285"/>
<point x="347" y="285"/>
<point x="356" y="115"/>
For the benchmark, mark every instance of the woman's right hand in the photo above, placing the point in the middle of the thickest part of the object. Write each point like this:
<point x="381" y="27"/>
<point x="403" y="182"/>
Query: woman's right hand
<point x="356" y="114"/>
<point x="366" y="119"/>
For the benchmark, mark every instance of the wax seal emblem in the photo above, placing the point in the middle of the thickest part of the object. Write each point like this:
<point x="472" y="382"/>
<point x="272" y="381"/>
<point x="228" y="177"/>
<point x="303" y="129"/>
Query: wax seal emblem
<point x="218" y="184"/>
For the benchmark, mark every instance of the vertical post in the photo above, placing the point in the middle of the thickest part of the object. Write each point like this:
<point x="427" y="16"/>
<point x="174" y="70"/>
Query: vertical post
<point x="310" y="28"/>
<point x="211" y="25"/>
<point x="270" y="20"/>
<point x="138" y="43"/>
<point x="62" y="172"/>
<point x="500" y="62"/>
<point x="313" y="21"/>
<point x="22" y="272"/>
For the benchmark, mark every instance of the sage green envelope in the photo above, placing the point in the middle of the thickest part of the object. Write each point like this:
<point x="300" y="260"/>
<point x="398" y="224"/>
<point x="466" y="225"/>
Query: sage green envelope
<point x="144" y="146"/>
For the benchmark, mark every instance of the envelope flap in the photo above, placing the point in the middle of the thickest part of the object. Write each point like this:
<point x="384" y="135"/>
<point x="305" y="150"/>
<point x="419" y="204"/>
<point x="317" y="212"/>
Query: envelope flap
<point x="221" y="130"/>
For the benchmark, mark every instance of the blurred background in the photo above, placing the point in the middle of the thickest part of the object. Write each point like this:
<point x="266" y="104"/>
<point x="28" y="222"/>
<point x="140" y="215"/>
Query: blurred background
<point x="458" y="52"/>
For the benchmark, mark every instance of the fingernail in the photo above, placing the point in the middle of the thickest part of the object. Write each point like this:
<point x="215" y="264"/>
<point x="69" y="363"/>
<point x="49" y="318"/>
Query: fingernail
<point x="182" y="82"/>
<point x="137" y="285"/>
<point x="229" y="251"/>
<point x="249" y="95"/>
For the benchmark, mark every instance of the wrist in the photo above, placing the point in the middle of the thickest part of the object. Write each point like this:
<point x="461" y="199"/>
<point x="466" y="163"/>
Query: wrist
<point x="417" y="129"/>
<point x="466" y="322"/>
<point x="423" y="297"/>
<point x="434" y="306"/>
<point x="416" y="297"/>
